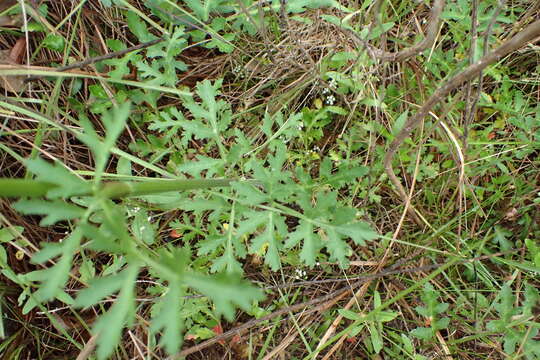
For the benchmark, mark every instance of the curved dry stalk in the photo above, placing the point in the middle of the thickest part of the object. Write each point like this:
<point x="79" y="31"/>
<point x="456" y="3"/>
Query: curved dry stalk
<point x="528" y="34"/>
<point x="426" y="43"/>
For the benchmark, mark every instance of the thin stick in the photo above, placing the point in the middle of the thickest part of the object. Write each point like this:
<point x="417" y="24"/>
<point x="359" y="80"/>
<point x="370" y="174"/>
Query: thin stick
<point x="528" y="34"/>
<point x="96" y="59"/>
<point x="322" y="301"/>
<point x="426" y="43"/>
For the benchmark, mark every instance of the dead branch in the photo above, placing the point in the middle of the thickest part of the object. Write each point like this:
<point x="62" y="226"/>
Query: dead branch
<point x="320" y="303"/>
<point x="519" y="40"/>
<point x="426" y="43"/>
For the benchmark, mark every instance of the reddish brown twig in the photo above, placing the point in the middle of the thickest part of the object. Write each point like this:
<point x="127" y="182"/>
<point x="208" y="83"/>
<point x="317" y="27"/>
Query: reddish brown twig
<point x="321" y="302"/>
<point x="427" y="42"/>
<point x="528" y="34"/>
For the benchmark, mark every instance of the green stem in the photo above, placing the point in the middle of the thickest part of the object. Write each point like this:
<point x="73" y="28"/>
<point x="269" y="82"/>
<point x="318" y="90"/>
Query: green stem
<point x="113" y="189"/>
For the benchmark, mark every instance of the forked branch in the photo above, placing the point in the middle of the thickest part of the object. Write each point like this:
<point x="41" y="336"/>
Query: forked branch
<point x="528" y="34"/>
<point x="427" y="42"/>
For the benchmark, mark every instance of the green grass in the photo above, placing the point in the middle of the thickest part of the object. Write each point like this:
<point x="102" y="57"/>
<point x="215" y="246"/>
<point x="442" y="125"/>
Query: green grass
<point x="222" y="192"/>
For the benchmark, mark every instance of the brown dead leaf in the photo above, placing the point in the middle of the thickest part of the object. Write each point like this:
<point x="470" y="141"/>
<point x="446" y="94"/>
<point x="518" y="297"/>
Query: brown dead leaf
<point x="175" y="234"/>
<point x="6" y="4"/>
<point x="9" y="20"/>
<point x="511" y="214"/>
<point x="13" y="57"/>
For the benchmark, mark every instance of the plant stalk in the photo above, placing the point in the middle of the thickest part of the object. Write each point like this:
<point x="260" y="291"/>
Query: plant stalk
<point x="113" y="189"/>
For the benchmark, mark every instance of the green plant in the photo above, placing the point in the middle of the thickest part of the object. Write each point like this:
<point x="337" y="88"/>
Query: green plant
<point x="373" y="322"/>
<point x="517" y="324"/>
<point x="99" y="224"/>
<point x="158" y="210"/>
<point x="254" y="213"/>
<point x="432" y="312"/>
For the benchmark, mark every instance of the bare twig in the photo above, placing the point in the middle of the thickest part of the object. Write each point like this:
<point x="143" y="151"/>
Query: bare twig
<point x="487" y="34"/>
<point x="519" y="40"/>
<point x="96" y="59"/>
<point x="472" y="54"/>
<point x="426" y="43"/>
<point x="321" y="302"/>
<point x="255" y="322"/>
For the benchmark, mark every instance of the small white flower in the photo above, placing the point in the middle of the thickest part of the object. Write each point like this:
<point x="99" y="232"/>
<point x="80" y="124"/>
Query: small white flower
<point x="316" y="148"/>
<point x="317" y="264"/>
<point x="330" y="100"/>
<point x="325" y="91"/>
<point x="333" y="84"/>
<point x="237" y="69"/>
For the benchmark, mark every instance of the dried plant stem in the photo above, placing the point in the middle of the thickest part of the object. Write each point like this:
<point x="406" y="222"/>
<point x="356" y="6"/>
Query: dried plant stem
<point x="323" y="302"/>
<point x="96" y="59"/>
<point x="426" y="43"/>
<point x="528" y="34"/>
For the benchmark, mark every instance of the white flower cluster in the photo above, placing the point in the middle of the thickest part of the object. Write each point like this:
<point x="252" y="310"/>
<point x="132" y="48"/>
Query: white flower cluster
<point x="333" y="84"/>
<point x="330" y="99"/>
<point x="300" y="274"/>
<point x="238" y="70"/>
<point x="133" y="210"/>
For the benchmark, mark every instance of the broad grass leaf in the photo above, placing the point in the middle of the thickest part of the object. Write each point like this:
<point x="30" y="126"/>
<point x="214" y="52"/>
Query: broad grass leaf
<point x="124" y="167"/>
<point x="376" y="339"/>
<point x="228" y="292"/>
<point x="300" y="6"/>
<point x="399" y="123"/>
<point x="351" y="315"/>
